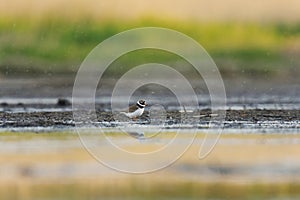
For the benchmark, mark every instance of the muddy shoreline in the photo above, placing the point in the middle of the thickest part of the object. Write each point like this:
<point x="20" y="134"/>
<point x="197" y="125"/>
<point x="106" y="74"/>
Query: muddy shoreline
<point x="251" y="104"/>
<point x="255" y="118"/>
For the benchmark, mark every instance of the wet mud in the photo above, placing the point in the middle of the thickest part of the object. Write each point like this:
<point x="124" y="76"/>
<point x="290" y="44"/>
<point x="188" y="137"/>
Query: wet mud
<point x="60" y="115"/>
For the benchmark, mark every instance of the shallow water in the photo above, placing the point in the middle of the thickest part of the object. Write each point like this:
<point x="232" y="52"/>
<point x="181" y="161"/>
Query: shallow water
<point x="270" y="102"/>
<point x="27" y="148"/>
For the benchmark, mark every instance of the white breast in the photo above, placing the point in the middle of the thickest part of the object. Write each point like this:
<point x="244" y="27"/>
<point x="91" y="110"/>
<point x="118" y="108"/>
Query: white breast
<point x="136" y="113"/>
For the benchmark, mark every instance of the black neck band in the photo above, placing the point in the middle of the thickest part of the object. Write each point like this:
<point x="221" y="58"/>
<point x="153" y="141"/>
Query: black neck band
<point x="140" y="106"/>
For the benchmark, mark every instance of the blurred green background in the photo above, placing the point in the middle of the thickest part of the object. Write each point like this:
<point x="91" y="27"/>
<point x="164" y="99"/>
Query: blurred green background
<point x="245" y="38"/>
<point x="248" y="40"/>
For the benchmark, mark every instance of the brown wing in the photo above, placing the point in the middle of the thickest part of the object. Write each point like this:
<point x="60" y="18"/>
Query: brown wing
<point x="132" y="108"/>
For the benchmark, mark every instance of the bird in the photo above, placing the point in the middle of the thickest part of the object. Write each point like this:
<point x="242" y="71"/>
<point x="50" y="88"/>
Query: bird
<point x="136" y="110"/>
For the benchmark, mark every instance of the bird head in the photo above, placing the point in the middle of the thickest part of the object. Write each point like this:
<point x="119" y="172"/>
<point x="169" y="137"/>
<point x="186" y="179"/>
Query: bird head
<point x="141" y="103"/>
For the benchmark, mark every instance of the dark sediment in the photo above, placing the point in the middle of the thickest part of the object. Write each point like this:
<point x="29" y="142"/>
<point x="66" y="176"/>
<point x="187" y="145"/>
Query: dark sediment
<point x="234" y="118"/>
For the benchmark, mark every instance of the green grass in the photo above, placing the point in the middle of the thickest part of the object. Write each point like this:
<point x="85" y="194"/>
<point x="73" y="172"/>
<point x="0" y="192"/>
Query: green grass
<point x="53" y="45"/>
